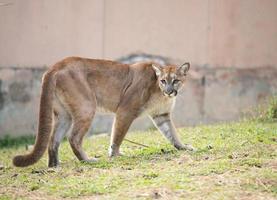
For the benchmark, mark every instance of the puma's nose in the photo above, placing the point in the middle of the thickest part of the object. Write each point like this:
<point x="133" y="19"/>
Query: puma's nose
<point x="169" y="90"/>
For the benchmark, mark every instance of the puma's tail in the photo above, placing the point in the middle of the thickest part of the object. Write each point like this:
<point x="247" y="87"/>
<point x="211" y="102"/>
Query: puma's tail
<point x="45" y="123"/>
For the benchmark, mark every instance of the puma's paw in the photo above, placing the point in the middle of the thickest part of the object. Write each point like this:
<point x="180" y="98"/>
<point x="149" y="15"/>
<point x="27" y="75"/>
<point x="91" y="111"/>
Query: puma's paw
<point x="114" y="151"/>
<point x="186" y="147"/>
<point x="115" y="154"/>
<point x="53" y="164"/>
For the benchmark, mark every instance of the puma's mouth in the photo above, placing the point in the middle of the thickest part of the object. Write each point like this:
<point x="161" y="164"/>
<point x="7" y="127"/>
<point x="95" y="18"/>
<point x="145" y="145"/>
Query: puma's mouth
<point x="172" y="94"/>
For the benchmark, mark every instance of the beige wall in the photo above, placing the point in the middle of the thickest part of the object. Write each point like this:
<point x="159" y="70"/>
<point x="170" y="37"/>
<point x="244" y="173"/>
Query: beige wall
<point x="40" y="32"/>
<point x="215" y="32"/>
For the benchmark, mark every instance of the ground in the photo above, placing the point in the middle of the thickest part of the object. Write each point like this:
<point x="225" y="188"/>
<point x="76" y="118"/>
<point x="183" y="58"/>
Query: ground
<point x="233" y="161"/>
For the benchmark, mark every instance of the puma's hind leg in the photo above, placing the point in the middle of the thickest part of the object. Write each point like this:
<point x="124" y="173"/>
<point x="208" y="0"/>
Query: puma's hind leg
<point x="61" y="127"/>
<point x="80" y="101"/>
<point x="82" y="118"/>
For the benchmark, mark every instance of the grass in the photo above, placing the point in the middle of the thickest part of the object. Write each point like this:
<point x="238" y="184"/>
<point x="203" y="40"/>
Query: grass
<point x="266" y="112"/>
<point x="8" y="141"/>
<point x="233" y="161"/>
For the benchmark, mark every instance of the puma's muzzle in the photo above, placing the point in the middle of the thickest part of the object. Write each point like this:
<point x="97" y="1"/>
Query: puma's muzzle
<point x="171" y="93"/>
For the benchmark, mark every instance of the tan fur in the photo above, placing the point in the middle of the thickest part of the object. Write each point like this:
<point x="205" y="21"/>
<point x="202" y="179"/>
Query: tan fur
<point x="75" y="88"/>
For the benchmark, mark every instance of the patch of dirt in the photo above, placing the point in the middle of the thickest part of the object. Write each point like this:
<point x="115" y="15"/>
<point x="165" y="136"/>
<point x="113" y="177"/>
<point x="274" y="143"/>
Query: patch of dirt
<point x="184" y="159"/>
<point x="158" y="193"/>
<point x="253" y="196"/>
<point x="236" y="155"/>
<point x="272" y="164"/>
<point x="19" y="193"/>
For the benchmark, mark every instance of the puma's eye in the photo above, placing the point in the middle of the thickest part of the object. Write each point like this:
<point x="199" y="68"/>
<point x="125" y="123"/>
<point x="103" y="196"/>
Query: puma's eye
<point x="176" y="81"/>
<point x="163" y="82"/>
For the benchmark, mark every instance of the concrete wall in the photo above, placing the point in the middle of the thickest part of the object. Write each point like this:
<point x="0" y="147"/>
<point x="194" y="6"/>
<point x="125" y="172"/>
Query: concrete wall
<point x="211" y="95"/>
<point x="231" y="45"/>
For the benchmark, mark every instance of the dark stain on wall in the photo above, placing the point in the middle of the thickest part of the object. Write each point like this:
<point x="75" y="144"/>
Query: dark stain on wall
<point x="18" y="92"/>
<point x="1" y="96"/>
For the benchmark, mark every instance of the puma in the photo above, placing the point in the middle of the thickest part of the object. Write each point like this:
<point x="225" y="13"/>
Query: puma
<point x="75" y="88"/>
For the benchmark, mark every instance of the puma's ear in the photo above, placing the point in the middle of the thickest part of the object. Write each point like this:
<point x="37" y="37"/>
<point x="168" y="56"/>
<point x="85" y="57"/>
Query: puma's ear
<point x="157" y="69"/>
<point x="184" y="68"/>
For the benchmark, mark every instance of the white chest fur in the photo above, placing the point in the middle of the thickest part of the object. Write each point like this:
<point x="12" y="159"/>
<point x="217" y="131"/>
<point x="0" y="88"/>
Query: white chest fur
<point x="158" y="104"/>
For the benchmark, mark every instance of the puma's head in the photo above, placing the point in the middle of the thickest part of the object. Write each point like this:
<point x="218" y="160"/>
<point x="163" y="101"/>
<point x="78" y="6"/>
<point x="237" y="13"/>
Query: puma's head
<point x="171" y="78"/>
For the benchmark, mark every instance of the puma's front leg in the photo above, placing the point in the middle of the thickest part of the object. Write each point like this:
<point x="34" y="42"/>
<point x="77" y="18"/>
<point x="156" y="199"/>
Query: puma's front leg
<point x="166" y="127"/>
<point x="121" y="125"/>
